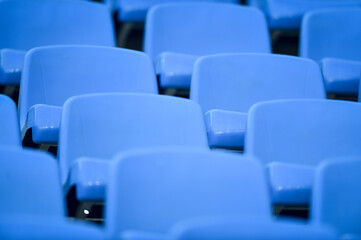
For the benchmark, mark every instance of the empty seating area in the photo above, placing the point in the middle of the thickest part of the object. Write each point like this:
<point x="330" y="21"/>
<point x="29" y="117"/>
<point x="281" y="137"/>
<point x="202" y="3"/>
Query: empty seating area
<point x="180" y="120"/>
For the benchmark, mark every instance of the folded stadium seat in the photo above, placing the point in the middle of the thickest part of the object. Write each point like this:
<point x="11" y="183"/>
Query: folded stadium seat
<point x="336" y="198"/>
<point x="136" y="10"/>
<point x="227" y="85"/>
<point x="53" y="74"/>
<point x="32" y="204"/>
<point x="9" y="123"/>
<point x="176" y="35"/>
<point x="96" y="127"/>
<point x="29" y="24"/>
<point x="287" y="14"/>
<point x="332" y="37"/>
<point x="293" y="136"/>
<point x="151" y="190"/>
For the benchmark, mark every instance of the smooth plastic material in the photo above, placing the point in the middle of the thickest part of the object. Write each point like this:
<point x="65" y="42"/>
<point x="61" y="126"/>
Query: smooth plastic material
<point x="29" y="24"/>
<point x="32" y="204"/>
<point x="287" y="14"/>
<point x="45" y="228"/>
<point x="285" y="178"/>
<point x="341" y="75"/>
<point x="53" y="74"/>
<point x="227" y="85"/>
<point x="136" y="10"/>
<point x="11" y="65"/>
<point x="29" y="184"/>
<point x="99" y="126"/>
<point x="225" y="129"/>
<point x="302" y="132"/>
<point x="337" y="195"/>
<point x="198" y="29"/>
<point x="9" y="123"/>
<point x="250" y="228"/>
<point x="151" y="190"/>
<point x="334" y="34"/>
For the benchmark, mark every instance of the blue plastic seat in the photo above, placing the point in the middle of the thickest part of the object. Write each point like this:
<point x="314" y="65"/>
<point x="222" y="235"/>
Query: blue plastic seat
<point x="227" y="85"/>
<point x="152" y="189"/>
<point x="96" y="127"/>
<point x="293" y="137"/>
<point x="250" y="228"/>
<point x="53" y="74"/>
<point x="29" y="24"/>
<point x="332" y="37"/>
<point x="32" y="204"/>
<point x="136" y="10"/>
<point x="177" y="34"/>
<point x="9" y="123"/>
<point x="287" y="14"/>
<point x="336" y="196"/>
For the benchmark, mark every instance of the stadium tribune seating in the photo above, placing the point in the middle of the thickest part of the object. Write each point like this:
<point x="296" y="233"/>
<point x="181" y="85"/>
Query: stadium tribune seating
<point x="227" y="85"/>
<point x="29" y="24"/>
<point x="332" y="38"/>
<point x="180" y="119"/>
<point x="53" y="74"/>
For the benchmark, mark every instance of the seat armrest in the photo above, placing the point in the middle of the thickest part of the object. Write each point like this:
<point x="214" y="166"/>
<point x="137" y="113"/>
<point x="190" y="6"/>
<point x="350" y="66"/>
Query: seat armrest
<point x="44" y="120"/>
<point x="226" y="129"/>
<point x="11" y="66"/>
<point x="341" y="76"/>
<point x="175" y="70"/>
<point x="90" y="176"/>
<point x="290" y="184"/>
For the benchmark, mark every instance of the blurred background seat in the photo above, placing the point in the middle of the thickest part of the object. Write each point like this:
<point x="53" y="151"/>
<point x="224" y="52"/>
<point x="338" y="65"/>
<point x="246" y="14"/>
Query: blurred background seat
<point x="227" y="85"/>
<point x="176" y="35"/>
<point x="332" y="38"/>
<point x="292" y="137"/>
<point x="29" y="24"/>
<point x="53" y="74"/>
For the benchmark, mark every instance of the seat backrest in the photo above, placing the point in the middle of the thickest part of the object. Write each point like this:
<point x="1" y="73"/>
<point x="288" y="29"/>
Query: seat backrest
<point x="336" y="196"/>
<point x="303" y="131"/>
<point x="102" y="125"/>
<point x="150" y="190"/>
<point x="237" y="81"/>
<point x="331" y="33"/>
<point x="53" y="74"/>
<point x="205" y="28"/>
<point x="9" y="123"/>
<point x="28" y="24"/>
<point x="137" y="9"/>
<point x="29" y="184"/>
<point x="248" y="227"/>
